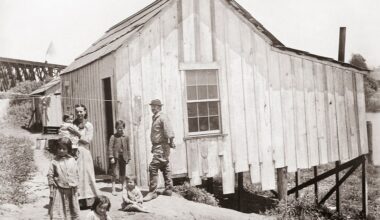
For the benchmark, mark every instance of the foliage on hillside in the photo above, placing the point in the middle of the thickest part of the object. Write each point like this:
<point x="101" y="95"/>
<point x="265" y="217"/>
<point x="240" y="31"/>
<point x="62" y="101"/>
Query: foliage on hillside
<point x="370" y="84"/>
<point x="16" y="167"/>
<point x="20" y="106"/>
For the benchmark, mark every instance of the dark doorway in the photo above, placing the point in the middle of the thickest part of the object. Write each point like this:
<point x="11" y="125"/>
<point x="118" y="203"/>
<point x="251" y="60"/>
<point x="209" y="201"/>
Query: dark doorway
<point x="108" y="110"/>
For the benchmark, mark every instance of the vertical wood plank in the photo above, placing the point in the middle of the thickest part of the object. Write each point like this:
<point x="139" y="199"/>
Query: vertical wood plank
<point x="320" y="89"/>
<point x="268" y="181"/>
<point x="361" y="114"/>
<point x="332" y="117"/>
<point x="250" y="105"/>
<point x="224" y="145"/>
<point x="300" y="116"/>
<point x="171" y="81"/>
<point x="351" y="118"/>
<point x="188" y="30"/>
<point x="236" y="93"/>
<point x="205" y="31"/>
<point x="195" y="175"/>
<point x="276" y="109"/>
<point x="287" y="103"/>
<point x="341" y="113"/>
<point x="137" y="107"/>
<point x="311" y="117"/>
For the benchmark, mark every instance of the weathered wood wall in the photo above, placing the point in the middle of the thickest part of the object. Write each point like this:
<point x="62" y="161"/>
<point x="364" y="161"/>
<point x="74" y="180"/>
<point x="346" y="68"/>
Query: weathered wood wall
<point x="84" y="86"/>
<point x="278" y="108"/>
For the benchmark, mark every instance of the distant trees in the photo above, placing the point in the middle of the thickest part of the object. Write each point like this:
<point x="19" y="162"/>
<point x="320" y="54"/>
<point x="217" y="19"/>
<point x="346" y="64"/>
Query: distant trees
<point x="370" y="84"/>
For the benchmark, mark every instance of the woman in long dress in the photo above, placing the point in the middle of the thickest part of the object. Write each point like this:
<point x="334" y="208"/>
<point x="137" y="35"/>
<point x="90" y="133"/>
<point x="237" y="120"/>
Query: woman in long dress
<point x="87" y="186"/>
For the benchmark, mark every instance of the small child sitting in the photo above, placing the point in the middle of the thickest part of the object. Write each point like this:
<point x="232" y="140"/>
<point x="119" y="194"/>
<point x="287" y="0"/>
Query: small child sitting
<point x="99" y="209"/>
<point x="68" y="120"/>
<point x="132" y="197"/>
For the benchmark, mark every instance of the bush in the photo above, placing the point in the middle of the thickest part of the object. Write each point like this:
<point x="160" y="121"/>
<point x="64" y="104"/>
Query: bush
<point x="303" y="208"/>
<point x="196" y="194"/>
<point x="16" y="167"/>
<point x="20" y="106"/>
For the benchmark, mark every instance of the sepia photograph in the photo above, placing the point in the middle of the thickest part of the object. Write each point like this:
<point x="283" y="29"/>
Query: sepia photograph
<point x="189" y="109"/>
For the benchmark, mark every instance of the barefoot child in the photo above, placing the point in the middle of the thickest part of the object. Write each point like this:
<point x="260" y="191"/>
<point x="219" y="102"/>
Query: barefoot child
<point x="132" y="197"/>
<point x="68" y="120"/>
<point x="119" y="154"/>
<point x="63" y="182"/>
<point x="99" y="209"/>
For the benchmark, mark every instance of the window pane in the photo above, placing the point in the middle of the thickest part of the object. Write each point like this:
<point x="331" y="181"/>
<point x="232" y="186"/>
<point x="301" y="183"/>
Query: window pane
<point x="212" y="92"/>
<point x="203" y="124"/>
<point x="193" y="125"/>
<point x="211" y="76"/>
<point x="192" y="109"/>
<point x="191" y="78"/>
<point x="202" y="78"/>
<point x="202" y="92"/>
<point x="214" y="110"/>
<point x="214" y="123"/>
<point x="191" y="93"/>
<point x="203" y="110"/>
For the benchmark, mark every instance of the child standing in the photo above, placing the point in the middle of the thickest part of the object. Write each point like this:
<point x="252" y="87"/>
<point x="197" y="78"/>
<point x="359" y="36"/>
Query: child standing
<point x="68" y="120"/>
<point x="63" y="182"/>
<point x="99" y="209"/>
<point x="119" y="154"/>
<point x="132" y="197"/>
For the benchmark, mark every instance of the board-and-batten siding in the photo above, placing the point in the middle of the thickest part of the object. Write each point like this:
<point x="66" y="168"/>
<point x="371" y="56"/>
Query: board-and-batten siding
<point x="287" y="109"/>
<point x="84" y="86"/>
<point x="150" y="71"/>
<point x="277" y="108"/>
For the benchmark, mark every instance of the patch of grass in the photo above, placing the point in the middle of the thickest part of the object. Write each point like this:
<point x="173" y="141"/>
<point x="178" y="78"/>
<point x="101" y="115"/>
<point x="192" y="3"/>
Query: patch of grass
<point x="351" y="196"/>
<point x="196" y="194"/>
<point x="16" y="167"/>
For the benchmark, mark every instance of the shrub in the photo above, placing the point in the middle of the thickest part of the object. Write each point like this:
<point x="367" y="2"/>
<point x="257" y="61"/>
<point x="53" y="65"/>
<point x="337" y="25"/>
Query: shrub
<point x="20" y="106"/>
<point x="196" y="194"/>
<point x="16" y="167"/>
<point x="303" y="208"/>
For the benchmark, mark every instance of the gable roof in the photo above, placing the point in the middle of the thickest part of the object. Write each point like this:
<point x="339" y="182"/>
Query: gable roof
<point x="47" y="86"/>
<point x="118" y="34"/>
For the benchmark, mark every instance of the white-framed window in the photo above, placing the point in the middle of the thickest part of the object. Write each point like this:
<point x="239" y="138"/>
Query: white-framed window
<point x="203" y="101"/>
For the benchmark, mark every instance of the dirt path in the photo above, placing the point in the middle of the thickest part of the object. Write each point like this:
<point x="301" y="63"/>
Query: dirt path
<point x="163" y="207"/>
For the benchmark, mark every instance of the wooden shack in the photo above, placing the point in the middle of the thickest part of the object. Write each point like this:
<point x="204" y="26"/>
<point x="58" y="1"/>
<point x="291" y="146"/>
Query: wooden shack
<point x="238" y="99"/>
<point x="47" y="106"/>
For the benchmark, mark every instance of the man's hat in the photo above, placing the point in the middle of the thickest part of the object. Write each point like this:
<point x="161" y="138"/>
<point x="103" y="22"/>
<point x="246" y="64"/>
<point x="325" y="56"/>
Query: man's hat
<point x="156" y="102"/>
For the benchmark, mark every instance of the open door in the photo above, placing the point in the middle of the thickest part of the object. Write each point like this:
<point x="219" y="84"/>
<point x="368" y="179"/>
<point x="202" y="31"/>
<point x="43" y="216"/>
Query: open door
<point x="108" y="109"/>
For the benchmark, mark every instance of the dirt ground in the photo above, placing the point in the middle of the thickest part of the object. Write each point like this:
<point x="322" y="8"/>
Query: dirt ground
<point x="163" y="207"/>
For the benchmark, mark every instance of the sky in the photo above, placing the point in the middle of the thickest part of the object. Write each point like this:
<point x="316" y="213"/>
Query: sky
<point x="28" y="27"/>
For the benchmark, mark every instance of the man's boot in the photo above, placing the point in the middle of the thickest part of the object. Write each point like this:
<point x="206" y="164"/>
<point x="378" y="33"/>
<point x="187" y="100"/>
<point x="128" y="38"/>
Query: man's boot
<point x="150" y="196"/>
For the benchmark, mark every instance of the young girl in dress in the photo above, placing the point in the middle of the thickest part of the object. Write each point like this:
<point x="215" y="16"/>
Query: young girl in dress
<point x="99" y="209"/>
<point x="63" y="182"/>
<point x="132" y="197"/>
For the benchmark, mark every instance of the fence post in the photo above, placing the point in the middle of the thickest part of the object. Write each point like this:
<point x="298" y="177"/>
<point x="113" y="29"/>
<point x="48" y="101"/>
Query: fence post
<point x="370" y="142"/>
<point x="282" y="183"/>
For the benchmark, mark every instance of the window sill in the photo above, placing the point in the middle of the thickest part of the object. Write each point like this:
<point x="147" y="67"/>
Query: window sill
<point x="199" y="136"/>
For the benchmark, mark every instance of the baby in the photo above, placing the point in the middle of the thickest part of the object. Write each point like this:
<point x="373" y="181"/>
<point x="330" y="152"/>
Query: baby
<point x="68" y="120"/>
<point x="132" y="197"/>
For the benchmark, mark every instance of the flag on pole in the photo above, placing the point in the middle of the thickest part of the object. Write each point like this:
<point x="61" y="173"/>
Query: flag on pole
<point x="50" y="51"/>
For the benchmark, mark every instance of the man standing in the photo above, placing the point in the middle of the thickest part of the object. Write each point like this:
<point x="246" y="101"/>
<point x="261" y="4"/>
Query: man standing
<point x="161" y="137"/>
